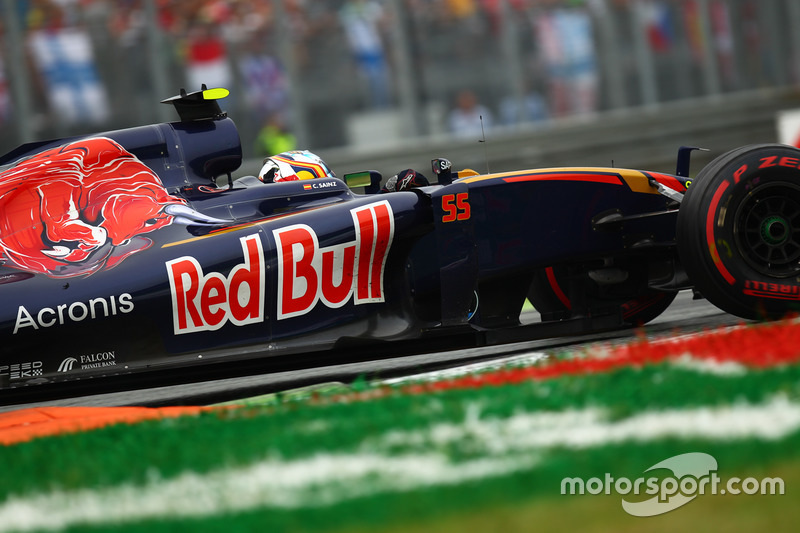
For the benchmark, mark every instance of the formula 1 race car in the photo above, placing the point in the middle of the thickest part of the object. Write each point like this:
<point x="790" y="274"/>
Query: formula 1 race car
<point x="120" y="252"/>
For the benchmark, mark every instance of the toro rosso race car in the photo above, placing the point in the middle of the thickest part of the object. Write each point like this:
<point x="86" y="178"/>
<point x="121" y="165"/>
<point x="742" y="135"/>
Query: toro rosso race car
<point x="135" y="250"/>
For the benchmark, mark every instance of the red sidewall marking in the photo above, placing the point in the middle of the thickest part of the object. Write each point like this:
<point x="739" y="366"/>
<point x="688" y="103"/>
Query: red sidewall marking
<point x="551" y="278"/>
<point x="712" y="246"/>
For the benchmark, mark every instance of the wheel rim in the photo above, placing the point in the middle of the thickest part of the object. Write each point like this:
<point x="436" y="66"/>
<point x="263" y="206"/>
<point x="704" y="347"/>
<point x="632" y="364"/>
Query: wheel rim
<point x="767" y="229"/>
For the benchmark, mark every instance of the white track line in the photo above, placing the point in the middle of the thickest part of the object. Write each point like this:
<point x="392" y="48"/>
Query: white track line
<point x="397" y="461"/>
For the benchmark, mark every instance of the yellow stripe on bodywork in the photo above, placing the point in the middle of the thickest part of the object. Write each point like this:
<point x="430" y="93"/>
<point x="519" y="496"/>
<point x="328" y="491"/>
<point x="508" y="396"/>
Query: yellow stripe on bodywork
<point x="636" y="180"/>
<point x="210" y="235"/>
<point x="240" y="227"/>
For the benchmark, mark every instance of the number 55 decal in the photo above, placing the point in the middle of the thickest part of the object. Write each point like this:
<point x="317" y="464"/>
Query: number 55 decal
<point x="455" y="207"/>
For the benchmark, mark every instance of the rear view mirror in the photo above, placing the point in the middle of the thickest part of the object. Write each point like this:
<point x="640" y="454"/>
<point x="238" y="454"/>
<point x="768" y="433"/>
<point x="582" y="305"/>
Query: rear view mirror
<point x="369" y="179"/>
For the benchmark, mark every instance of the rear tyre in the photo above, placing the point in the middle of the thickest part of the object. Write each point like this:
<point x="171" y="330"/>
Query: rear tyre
<point x="738" y="231"/>
<point x="548" y="294"/>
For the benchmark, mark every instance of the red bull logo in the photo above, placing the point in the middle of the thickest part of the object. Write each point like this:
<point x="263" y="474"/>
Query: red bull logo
<point x="79" y="208"/>
<point x="206" y="302"/>
<point x="308" y="274"/>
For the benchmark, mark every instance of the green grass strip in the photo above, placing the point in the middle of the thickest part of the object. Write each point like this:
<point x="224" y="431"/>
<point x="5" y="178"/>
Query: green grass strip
<point x="533" y="494"/>
<point x="295" y="430"/>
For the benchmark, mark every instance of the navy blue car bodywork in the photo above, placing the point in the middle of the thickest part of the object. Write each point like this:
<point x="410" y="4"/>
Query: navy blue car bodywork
<point x="245" y="269"/>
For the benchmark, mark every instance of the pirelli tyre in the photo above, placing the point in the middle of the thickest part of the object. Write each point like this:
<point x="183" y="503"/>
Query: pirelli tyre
<point x="738" y="231"/>
<point x="547" y="294"/>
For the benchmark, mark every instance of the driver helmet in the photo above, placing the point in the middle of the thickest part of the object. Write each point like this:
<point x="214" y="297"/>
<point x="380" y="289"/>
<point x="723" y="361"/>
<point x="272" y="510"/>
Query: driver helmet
<point x="293" y="166"/>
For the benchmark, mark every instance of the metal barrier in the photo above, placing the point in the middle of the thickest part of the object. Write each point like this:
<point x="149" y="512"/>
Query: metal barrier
<point x="646" y="138"/>
<point x="349" y="73"/>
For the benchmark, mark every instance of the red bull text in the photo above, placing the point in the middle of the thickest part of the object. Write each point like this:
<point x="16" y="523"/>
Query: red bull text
<point x="307" y="274"/>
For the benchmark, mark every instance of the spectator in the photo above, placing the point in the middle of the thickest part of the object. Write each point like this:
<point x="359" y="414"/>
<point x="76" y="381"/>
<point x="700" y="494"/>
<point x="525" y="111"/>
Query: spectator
<point x="64" y="58"/>
<point x="466" y="14"/>
<point x="363" y="22"/>
<point x="462" y="9"/>
<point x="532" y="107"/>
<point x="274" y="138"/>
<point x="469" y="118"/>
<point x="723" y="40"/>
<point x="659" y="26"/>
<point x="207" y="59"/>
<point x="566" y="43"/>
<point x="265" y="83"/>
<point x="493" y="9"/>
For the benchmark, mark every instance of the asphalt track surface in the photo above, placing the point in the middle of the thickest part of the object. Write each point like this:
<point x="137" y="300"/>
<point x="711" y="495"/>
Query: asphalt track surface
<point x="685" y="315"/>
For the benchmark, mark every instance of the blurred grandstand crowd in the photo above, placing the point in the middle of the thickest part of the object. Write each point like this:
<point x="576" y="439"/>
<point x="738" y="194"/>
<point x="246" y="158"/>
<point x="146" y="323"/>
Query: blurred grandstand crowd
<point x="306" y="68"/>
